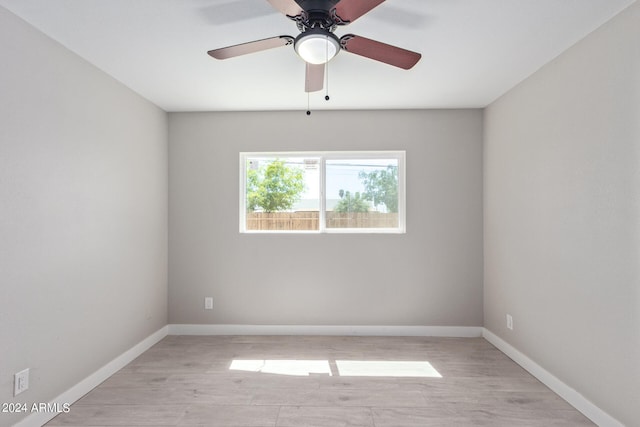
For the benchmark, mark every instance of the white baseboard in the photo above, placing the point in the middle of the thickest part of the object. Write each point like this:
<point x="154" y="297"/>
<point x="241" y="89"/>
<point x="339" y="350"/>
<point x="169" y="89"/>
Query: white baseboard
<point x="37" y="419"/>
<point x="574" y="398"/>
<point x="331" y="330"/>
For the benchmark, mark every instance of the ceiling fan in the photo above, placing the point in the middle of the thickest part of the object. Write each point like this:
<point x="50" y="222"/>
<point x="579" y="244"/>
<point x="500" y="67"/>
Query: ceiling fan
<point x="317" y="44"/>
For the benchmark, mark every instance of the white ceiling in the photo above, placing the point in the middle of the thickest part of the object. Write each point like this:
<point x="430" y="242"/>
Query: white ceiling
<point x="473" y="51"/>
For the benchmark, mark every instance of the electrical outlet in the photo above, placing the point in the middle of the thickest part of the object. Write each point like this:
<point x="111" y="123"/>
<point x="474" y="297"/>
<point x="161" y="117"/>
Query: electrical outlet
<point x="20" y="382"/>
<point x="208" y="303"/>
<point x="509" y="322"/>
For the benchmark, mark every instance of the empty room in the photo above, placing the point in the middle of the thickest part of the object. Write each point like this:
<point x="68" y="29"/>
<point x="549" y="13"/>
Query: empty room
<point x="320" y="213"/>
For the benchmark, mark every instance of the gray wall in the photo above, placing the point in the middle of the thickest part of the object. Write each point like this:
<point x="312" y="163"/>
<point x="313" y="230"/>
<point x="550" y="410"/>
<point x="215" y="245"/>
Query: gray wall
<point x="562" y="216"/>
<point x="432" y="275"/>
<point x="83" y="216"/>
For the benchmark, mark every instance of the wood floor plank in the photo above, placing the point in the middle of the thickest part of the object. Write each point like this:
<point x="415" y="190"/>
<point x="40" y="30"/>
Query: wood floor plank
<point x="287" y="381"/>
<point x="310" y="398"/>
<point x="120" y="415"/>
<point x="230" y="416"/>
<point x="461" y="416"/>
<point x="304" y="416"/>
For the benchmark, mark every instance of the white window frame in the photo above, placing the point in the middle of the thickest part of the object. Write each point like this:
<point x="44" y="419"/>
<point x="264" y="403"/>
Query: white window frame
<point x="322" y="157"/>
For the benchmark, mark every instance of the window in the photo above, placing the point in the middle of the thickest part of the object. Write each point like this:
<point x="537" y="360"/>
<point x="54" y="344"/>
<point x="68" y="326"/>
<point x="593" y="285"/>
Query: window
<point x="323" y="192"/>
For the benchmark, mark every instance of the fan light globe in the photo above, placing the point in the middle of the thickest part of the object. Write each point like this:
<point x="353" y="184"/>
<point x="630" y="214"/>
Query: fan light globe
<point x="317" y="48"/>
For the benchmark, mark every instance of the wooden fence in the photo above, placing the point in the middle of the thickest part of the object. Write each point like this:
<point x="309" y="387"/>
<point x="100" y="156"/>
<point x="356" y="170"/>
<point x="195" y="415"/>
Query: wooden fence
<point x="310" y="220"/>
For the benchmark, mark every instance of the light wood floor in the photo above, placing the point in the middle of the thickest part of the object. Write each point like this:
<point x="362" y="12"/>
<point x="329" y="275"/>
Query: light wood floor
<point x="187" y="381"/>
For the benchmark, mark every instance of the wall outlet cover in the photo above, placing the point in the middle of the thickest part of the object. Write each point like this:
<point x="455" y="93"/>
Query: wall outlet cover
<point x="20" y="382"/>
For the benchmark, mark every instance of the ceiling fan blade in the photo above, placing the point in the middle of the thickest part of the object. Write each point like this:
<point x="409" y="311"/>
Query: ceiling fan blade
<point x="379" y="51"/>
<point x="250" y="47"/>
<point x="350" y="10"/>
<point x="288" y="7"/>
<point x="314" y="77"/>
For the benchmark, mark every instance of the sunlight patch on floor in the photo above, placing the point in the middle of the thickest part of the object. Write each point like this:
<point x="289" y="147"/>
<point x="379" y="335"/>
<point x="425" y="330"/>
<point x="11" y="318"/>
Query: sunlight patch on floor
<point x="345" y="368"/>
<point x="386" y="368"/>
<point x="283" y="367"/>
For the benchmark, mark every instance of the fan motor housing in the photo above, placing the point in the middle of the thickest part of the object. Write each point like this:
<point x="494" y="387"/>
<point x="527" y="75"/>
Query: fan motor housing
<point x="317" y="14"/>
<point x="309" y="5"/>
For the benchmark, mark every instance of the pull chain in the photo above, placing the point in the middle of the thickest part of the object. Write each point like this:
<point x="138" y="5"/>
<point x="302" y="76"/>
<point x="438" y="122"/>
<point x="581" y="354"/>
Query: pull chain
<point x="326" y="68"/>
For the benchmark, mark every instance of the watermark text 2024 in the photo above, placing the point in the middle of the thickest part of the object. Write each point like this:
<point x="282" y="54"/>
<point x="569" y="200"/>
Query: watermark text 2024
<point x="36" y="407"/>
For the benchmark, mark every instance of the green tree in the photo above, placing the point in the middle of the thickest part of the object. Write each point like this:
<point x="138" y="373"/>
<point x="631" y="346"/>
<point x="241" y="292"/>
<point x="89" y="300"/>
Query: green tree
<point x="253" y="181"/>
<point x="381" y="187"/>
<point x="349" y="203"/>
<point x="274" y="186"/>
